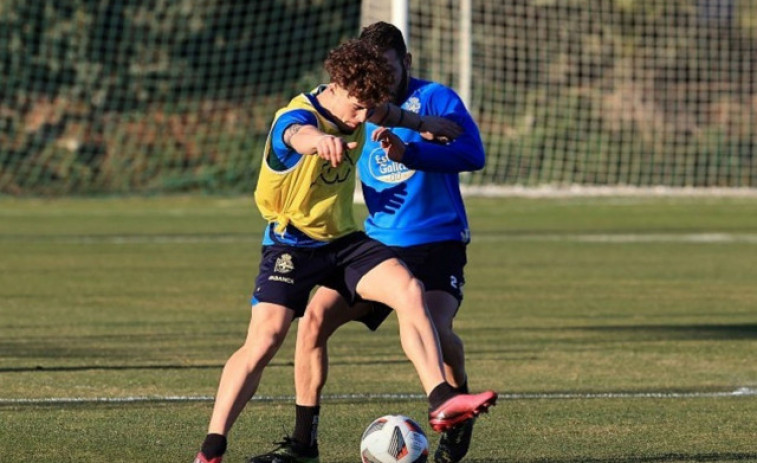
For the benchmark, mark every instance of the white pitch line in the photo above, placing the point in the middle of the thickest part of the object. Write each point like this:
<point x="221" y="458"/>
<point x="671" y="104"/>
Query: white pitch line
<point x="740" y="392"/>
<point x="698" y="238"/>
<point x="606" y="192"/>
<point x="137" y="239"/>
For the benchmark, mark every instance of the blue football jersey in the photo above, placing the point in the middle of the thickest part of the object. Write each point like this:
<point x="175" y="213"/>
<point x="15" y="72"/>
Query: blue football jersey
<point x="418" y="201"/>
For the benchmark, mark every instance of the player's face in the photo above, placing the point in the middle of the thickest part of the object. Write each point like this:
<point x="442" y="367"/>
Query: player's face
<point x="349" y="110"/>
<point x="401" y="74"/>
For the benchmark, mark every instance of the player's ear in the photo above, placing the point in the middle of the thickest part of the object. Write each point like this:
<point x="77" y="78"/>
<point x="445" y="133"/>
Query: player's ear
<point x="408" y="60"/>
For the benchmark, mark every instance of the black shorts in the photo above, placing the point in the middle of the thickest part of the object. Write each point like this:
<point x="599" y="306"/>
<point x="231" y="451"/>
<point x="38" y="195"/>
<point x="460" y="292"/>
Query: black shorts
<point x="288" y="274"/>
<point x="439" y="266"/>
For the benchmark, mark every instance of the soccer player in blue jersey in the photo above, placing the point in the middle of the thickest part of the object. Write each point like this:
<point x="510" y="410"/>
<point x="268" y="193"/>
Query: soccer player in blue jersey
<point x="412" y="192"/>
<point x="305" y="192"/>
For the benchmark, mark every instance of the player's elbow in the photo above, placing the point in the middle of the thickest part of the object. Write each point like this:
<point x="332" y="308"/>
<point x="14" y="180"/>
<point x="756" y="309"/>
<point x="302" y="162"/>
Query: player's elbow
<point x="474" y="157"/>
<point x="477" y="161"/>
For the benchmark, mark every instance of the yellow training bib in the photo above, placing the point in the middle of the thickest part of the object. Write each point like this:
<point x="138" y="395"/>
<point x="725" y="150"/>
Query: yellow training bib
<point x="312" y="195"/>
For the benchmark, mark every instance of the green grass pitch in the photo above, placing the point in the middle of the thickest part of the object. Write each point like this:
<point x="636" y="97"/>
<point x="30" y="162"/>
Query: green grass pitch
<point x="617" y="330"/>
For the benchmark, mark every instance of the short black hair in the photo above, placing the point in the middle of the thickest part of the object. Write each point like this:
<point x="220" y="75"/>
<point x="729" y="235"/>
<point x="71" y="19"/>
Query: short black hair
<point x="386" y="37"/>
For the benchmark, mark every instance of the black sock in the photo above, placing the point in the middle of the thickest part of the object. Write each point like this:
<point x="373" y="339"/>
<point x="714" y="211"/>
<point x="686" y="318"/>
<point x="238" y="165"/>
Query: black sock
<point x="214" y="446"/>
<point x="306" y="426"/>
<point x="441" y="394"/>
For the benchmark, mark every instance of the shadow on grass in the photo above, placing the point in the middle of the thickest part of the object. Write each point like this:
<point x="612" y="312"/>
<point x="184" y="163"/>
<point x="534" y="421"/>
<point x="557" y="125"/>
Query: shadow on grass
<point x="704" y="332"/>
<point x="288" y="364"/>
<point x="614" y="333"/>
<point x="681" y="332"/>
<point x="60" y="368"/>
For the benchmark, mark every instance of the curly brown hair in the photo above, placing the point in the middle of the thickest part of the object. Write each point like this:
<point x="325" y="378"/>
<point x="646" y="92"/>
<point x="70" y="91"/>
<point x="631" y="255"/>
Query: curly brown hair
<point x="361" y="69"/>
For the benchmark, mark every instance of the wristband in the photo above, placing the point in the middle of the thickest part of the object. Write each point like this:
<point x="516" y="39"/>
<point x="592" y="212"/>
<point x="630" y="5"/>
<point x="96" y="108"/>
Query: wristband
<point x="386" y="116"/>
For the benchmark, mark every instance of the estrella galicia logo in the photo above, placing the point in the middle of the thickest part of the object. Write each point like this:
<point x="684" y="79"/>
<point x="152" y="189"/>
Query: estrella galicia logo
<point x="384" y="169"/>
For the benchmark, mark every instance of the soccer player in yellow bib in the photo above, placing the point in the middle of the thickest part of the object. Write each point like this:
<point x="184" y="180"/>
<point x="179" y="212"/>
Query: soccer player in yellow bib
<point x="415" y="206"/>
<point x="305" y="192"/>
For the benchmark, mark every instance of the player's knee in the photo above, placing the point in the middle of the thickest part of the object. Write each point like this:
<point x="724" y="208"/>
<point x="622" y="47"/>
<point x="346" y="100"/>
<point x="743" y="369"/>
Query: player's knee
<point x="314" y="314"/>
<point x="415" y="289"/>
<point x="262" y="347"/>
<point x="410" y="297"/>
<point x="309" y="328"/>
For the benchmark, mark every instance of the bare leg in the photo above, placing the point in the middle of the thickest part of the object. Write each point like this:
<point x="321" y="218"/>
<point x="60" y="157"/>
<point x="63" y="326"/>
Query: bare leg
<point x="443" y="307"/>
<point x="392" y="284"/>
<point x="326" y="312"/>
<point x="269" y="324"/>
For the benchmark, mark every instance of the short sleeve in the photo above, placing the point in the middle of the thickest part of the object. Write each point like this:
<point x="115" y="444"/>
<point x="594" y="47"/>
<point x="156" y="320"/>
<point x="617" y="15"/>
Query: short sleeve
<point x="285" y="156"/>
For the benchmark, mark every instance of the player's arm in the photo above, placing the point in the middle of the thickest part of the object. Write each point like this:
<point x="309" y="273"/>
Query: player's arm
<point x="465" y="153"/>
<point x="296" y="134"/>
<point x="307" y="139"/>
<point x="432" y="128"/>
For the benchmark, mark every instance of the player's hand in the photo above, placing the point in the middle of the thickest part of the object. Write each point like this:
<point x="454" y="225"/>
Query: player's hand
<point x="390" y="143"/>
<point x="387" y="200"/>
<point x="332" y="149"/>
<point x="439" y="129"/>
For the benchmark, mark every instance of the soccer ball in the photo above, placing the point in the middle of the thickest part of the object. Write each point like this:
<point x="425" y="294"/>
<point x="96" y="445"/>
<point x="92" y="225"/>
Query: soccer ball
<point x="394" y="439"/>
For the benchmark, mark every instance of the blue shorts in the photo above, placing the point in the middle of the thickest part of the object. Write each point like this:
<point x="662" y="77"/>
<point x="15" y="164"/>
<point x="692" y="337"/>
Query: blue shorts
<point x="288" y="274"/>
<point x="439" y="266"/>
